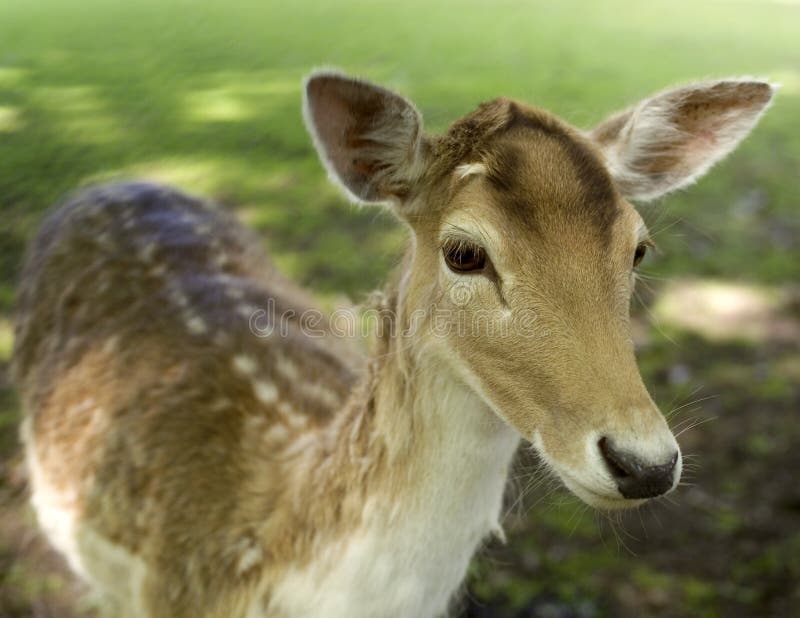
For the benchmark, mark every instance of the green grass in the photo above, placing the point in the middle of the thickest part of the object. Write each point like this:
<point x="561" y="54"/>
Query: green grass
<point x="206" y="95"/>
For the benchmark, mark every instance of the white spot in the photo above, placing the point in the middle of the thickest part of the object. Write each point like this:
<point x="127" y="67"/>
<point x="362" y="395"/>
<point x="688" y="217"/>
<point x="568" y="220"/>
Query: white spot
<point x="245" y="364"/>
<point x="295" y="419"/>
<point x="84" y="405"/>
<point x="322" y="394"/>
<point x="221" y="339"/>
<point x="287" y="368"/>
<point x="469" y="169"/>
<point x="250" y="557"/>
<point x="254" y="421"/>
<point x="266" y="392"/>
<point x="304" y="442"/>
<point x="278" y="432"/>
<point x="220" y="404"/>
<point x="196" y="326"/>
<point x="147" y="251"/>
<point x="246" y="311"/>
<point x="285" y="409"/>
<point x="111" y="344"/>
<point x="178" y="297"/>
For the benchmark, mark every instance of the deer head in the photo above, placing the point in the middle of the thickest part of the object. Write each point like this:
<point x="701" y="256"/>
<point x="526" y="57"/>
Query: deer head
<point x="524" y="242"/>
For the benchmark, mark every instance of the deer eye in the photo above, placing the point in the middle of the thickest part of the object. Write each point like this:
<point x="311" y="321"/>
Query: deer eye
<point x="464" y="257"/>
<point x="638" y="256"/>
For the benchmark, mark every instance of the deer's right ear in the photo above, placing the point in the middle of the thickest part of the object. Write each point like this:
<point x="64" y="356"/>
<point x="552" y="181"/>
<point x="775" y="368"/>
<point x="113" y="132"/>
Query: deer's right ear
<point x="370" y="139"/>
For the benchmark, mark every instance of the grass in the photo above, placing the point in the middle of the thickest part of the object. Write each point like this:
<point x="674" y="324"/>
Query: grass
<point x="206" y="95"/>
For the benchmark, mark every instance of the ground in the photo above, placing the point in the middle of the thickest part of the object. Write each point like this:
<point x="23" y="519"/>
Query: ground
<point x="206" y="96"/>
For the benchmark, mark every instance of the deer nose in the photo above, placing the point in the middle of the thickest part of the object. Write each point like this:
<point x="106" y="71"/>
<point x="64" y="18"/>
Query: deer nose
<point x="635" y="479"/>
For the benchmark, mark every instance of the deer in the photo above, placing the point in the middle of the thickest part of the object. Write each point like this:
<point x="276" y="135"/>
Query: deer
<point x="192" y="454"/>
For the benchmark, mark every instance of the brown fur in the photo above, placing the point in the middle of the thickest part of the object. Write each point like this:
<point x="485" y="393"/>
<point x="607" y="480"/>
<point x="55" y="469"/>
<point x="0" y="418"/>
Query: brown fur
<point x="161" y="412"/>
<point x="221" y="459"/>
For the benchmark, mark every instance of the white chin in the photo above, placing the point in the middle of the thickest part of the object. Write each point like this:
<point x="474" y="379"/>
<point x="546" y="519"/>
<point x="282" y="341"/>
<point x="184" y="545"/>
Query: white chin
<point x="600" y="499"/>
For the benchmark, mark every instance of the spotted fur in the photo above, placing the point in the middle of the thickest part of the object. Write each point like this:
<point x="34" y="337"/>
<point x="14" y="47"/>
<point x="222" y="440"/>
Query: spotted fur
<point x="190" y="465"/>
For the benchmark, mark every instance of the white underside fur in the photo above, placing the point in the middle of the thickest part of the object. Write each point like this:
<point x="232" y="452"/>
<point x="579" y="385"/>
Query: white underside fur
<point x="407" y="559"/>
<point x="112" y="572"/>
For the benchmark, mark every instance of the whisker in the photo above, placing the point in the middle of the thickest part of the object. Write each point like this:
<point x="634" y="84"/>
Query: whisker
<point x="697" y="424"/>
<point x="674" y="411"/>
<point x="653" y="319"/>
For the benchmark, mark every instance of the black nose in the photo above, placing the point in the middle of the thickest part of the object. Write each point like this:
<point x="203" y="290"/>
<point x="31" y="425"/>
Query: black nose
<point x="634" y="478"/>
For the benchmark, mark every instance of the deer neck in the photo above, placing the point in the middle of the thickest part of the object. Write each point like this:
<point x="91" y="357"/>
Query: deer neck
<point x="420" y="433"/>
<point x="424" y="462"/>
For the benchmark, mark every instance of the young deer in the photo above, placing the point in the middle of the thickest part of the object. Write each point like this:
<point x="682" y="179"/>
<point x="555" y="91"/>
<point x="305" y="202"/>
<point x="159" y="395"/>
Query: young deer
<point x="193" y="456"/>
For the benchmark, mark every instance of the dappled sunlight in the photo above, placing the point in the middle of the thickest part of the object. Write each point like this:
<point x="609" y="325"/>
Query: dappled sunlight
<point x="789" y="79"/>
<point x="280" y="179"/>
<point x="257" y="83"/>
<point x="209" y="176"/>
<point x="217" y="105"/>
<point x="285" y="86"/>
<point x="206" y="97"/>
<point x="789" y="367"/>
<point x="259" y="216"/>
<point x="237" y="96"/>
<point x="10" y="119"/>
<point x="193" y="174"/>
<point x="80" y="112"/>
<point x="11" y="76"/>
<point x="722" y="311"/>
<point x="6" y="339"/>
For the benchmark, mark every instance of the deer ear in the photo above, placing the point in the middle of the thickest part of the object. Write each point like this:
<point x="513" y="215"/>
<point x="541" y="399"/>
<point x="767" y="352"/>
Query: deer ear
<point x="370" y="139"/>
<point x="671" y="139"/>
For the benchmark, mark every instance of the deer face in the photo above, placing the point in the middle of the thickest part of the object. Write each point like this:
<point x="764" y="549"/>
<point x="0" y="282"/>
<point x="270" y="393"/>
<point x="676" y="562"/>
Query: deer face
<point x="523" y="255"/>
<point x="534" y="252"/>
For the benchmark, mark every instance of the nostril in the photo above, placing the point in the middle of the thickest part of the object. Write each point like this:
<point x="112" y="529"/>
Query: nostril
<point x="634" y="478"/>
<point x="613" y="461"/>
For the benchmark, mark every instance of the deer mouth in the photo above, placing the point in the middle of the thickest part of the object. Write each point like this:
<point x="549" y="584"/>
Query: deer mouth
<point x="613" y="479"/>
<point x="604" y="498"/>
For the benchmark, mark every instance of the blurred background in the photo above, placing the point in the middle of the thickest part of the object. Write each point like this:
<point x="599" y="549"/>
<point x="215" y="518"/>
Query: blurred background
<point x="206" y="95"/>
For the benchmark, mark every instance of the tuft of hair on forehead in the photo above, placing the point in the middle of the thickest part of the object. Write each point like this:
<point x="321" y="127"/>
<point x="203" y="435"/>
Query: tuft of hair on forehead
<point x="465" y="170"/>
<point x="491" y="141"/>
<point x="469" y="141"/>
<point x="467" y="138"/>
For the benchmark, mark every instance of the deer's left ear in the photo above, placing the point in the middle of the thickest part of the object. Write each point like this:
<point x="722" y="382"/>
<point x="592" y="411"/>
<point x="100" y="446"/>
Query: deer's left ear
<point x="671" y="139"/>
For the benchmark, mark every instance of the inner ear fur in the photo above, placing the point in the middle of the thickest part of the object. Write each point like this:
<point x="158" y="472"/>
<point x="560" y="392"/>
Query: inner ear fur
<point x="671" y="139"/>
<point x="369" y="138"/>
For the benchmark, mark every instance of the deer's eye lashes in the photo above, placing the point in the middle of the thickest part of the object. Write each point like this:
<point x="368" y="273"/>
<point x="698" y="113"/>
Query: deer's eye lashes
<point x="638" y="255"/>
<point x="463" y="256"/>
